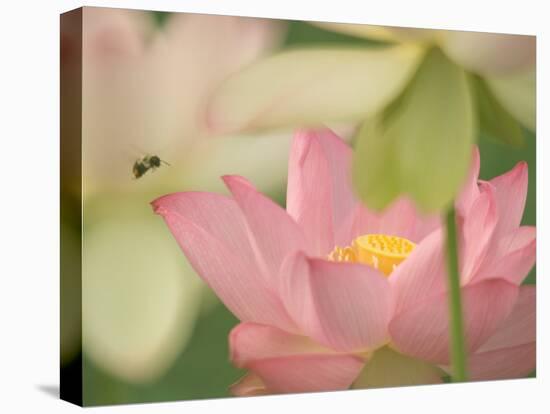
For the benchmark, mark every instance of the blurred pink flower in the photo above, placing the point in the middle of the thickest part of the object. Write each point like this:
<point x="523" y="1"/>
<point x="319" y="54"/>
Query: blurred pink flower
<point x="316" y="317"/>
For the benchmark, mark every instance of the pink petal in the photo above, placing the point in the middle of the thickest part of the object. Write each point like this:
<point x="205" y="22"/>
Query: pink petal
<point x="248" y="386"/>
<point x="507" y="363"/>
<point x="319" y="194"/>
<point x="511" y="257"/>
<point x="520" y="327"/>
<point x="477" y="231"/>
<point x="426" y="226"/>
<point x="470" y="189"/>
<point x="211" y="232"/>
<point x="345" y="306"/>
<point x="251" y="341"/>
<point x="511" y="193"/>
<point x="216" y="214"/>
<point x="272" y="232"/>
<point x="511" y="351"/>
<point x="288" y="363"/>
<point x="114" y="36"/>
<point x="422" y="275"/>
<point x="308" y="373"/>
<point x="423" y="332"/>
<point x="339" y="155"/>
<point x="401" y="219"/>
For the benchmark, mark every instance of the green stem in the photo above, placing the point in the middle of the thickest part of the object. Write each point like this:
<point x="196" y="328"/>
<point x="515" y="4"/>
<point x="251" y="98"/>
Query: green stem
<point x="458" y="349"/>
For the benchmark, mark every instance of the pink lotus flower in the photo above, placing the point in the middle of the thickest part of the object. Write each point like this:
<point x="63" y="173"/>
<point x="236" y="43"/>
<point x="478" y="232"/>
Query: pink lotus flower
<point x="317" y="317"/>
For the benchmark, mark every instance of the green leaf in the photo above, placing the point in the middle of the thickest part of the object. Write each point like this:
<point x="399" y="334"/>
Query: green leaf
<point x="388" y="368"/>
<point x="495" y="121"/>
<point x="161" y="18"/>
<point x="317" y="34"/>
<point x="422" y="143"/>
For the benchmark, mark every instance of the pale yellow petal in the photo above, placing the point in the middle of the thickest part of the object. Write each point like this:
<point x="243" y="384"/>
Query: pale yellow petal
<point x="517" y="94"/>
<point x="383" y="33"/>
<point x="312" y="86"/>
<point x="139" y="297"/>
<point x="388" y="368"/>
<point x="490" y="53"/>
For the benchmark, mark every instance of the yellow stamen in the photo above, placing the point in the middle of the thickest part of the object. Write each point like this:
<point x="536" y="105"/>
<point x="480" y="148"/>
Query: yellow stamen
<point x="343" y="254"/>
<point x="381" y="251"/>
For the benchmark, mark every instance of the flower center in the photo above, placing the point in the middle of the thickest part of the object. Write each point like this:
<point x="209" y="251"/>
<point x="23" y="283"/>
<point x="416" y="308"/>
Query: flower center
<point x="381" y="251"/>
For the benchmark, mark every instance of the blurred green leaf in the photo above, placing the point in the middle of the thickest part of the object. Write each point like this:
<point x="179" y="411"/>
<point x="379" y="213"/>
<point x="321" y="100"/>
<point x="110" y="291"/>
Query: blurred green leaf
<point x="161" y="17"/>
<point x="495" y="121"/>
<point x="307" y="34"/>
<point x="421" y="144"/>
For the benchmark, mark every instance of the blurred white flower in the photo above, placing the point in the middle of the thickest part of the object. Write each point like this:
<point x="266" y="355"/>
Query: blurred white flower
<point x="144" y="88"/>
<point x="139" y="301"/>
<point x="143" y="92"/>
<point x="490" y="54"/>
<point x="312" y="85"/>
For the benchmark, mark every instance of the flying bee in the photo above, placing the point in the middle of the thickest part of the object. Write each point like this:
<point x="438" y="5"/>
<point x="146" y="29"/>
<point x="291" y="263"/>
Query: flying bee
<point x="149" y="162"/>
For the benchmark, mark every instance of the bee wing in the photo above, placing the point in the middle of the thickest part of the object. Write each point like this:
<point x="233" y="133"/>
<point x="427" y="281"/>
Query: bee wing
<point x="136" y="151"/>
<point x="140" y="152"/>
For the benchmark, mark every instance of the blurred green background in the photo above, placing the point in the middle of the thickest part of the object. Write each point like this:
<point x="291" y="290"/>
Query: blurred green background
<point x="202" y="368"/>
